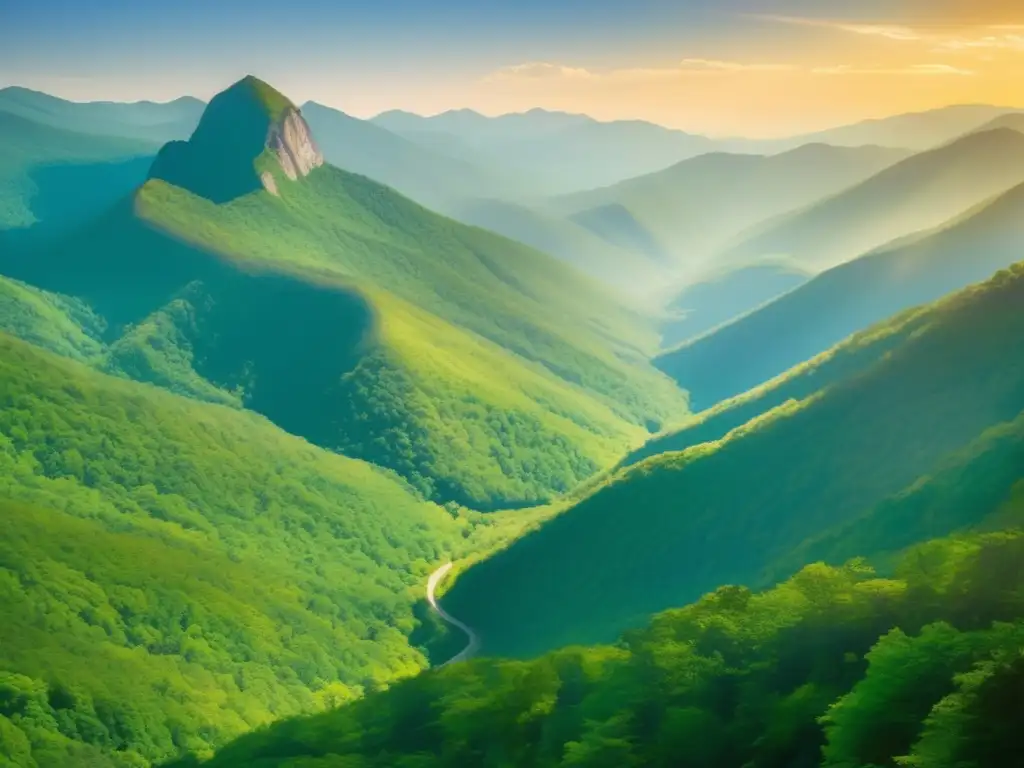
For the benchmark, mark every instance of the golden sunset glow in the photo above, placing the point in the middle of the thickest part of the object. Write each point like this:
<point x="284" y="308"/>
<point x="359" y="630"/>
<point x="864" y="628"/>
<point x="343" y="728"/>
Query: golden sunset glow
<point x="818" y="73"/>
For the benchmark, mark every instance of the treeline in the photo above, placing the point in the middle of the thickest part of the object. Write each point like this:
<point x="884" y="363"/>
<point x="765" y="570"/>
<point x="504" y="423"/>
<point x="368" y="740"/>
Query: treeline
<point x="837" y="667"/>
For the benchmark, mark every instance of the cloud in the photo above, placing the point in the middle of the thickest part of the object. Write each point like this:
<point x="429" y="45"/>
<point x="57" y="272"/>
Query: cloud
<point x="731" y="66"/>
<point x="1014" y="42"/>
<point x="887" y="31"/>
<point x="542" y="70"/>
<point x="916" y="69"/>
<point x="547" y="71"/>
<point x="969" y="38"/>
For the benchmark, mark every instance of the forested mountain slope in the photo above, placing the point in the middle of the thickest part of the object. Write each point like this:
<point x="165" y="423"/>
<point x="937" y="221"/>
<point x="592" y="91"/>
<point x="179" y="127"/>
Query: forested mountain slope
<point x="173" y="573"/>
<point x="485" y="372"/>
<point x="848" y="358"/>
<point x="922" y="192"/>
<point x="679" y="524"/>
<point x="53" y="322"/>
<point x="836" y="667"/>
<point x="848" y="298"/>
<point x="470" y="192"/>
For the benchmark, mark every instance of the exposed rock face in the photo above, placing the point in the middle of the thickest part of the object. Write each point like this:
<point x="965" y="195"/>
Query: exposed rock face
<point x="248" y="121"/>
<point x="267" y="179"/>
<point x="291" y="141"/>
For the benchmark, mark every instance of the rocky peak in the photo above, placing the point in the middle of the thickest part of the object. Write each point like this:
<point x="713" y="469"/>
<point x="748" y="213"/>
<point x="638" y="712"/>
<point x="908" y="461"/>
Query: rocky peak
<point x="247" y="133"/>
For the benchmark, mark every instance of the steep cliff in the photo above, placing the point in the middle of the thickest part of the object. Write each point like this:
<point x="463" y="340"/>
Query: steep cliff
<point x="248" y="135"/>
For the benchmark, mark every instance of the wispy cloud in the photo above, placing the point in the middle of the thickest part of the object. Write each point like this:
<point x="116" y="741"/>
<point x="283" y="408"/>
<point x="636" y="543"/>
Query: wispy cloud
<point x="1004" y="42"/>
<point x="887" y="31"/>
<point x="977" y="37"/>
<point x="548" y="71"/>
<point x="731" y="66"/>
<point x="916" y="69"/>
<point x="541" y="70"/>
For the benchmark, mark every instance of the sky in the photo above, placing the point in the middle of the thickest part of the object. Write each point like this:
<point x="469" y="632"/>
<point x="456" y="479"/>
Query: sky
<point x="723" y="67"/>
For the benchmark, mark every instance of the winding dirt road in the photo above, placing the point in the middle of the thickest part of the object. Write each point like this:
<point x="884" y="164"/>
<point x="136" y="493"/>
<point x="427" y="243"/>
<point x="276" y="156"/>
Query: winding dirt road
<point x="474" y="640"/>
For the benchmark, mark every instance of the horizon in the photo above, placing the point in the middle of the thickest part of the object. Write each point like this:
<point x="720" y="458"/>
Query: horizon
<point x="497" y="115"/>
<point x="757" y="68"/>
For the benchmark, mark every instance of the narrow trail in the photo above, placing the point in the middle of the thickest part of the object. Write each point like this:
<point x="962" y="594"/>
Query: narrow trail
<point x="474" y="641"/>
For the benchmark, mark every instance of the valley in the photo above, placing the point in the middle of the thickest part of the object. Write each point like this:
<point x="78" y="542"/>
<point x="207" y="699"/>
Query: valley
<point x="527" y="439"/>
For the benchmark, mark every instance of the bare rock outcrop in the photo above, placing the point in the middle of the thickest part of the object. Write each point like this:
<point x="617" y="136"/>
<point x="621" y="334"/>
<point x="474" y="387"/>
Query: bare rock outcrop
<point x="292" y="143"/>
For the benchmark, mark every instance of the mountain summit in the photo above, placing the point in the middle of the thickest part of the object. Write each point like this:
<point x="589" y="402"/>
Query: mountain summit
<point x="248" y="135"/>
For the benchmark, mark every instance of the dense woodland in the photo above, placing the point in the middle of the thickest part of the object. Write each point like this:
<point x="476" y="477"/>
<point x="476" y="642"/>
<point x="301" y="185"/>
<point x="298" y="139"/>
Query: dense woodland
<point x="194" y="554"/>
<point x="733" y="510"/>
<point x="417" y="312"/>
<point x="835" y="667"/>
<point x="242" y="421"/>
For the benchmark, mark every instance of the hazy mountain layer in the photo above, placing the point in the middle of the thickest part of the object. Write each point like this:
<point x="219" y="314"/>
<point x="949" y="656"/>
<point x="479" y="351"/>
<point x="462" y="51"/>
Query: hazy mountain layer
<point x="922" y="192"/>
<point x="558" y="151"/>
<point x="696" y="207"/>
<point x="915" y="130"/>
<point x="719" y="298"/>
<point x="143" y="120"/>
<point x="848" y="298"/>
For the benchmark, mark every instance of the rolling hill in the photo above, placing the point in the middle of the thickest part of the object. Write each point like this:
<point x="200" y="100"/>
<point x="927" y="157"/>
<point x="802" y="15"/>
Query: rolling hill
<point x="560" y="152"/>
<point x="730" y="511"/>
<point x="147" y="121"/>
<point x="849" y="298"/>
<point x="723" y="296"/>
<point x="922" y="192"/>
<point x="354" y="317"/>
<point x="696" y="207"/>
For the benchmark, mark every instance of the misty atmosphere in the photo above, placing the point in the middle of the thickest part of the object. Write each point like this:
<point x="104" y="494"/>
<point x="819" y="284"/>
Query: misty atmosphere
<point x="506" y="417"/>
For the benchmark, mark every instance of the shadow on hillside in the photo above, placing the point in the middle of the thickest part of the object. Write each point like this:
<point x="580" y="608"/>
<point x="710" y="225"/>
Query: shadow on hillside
<point x="217" y="163"/>
<point x="67" y="195"/>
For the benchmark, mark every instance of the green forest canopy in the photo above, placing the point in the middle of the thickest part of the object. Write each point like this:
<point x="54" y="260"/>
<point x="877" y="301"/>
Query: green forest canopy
<point x="836" y="667"/>
<point x="215" y="572"/>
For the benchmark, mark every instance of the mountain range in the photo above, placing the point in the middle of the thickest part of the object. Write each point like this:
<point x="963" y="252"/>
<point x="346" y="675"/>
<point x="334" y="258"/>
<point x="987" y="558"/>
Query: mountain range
<point x="848" y="298"/>
<point x="922" y="192"/>
<point x="556" y="150"/>
<point x="691" y="210"/>
<point x="678" y="524"/>
<point x="720" y="439"/>
<point x="243" y="224"/>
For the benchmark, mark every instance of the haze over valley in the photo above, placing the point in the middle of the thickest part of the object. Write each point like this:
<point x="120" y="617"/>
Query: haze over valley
<point x="560" y="429"/>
